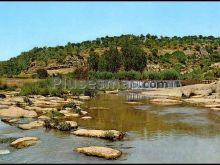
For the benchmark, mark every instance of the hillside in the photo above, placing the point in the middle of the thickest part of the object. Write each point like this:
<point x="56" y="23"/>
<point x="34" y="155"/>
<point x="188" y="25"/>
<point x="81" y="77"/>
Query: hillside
<point x="186" y="54"/>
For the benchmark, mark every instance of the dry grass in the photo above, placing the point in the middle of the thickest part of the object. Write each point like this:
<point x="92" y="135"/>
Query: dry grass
<point x="19" y="82"/>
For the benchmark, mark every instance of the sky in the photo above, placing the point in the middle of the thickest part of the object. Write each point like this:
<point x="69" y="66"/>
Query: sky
<point x="24" y="25"/>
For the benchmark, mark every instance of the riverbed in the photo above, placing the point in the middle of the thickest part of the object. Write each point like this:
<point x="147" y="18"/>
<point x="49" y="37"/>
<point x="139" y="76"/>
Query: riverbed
<point x="154" y="134"/>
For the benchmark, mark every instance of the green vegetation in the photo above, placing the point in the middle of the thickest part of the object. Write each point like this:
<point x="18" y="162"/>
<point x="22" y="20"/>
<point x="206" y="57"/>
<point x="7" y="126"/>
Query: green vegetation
<point x="43" y="87"/>
<point x="109" y="135"/>
<point x="64" y="126"/>
<point x="69" y="105"/>
<point x="84" y="91"/>
<point x="54" y="114"/>
<point x="123" y="55"/>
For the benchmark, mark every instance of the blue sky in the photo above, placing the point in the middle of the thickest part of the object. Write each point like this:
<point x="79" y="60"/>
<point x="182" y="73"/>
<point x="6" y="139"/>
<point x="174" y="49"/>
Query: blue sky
<point x="24" y="25"/>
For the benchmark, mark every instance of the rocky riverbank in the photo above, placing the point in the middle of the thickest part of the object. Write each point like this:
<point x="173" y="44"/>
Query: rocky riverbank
<point x="53" y="113"/>
<point x="204" y="95"/>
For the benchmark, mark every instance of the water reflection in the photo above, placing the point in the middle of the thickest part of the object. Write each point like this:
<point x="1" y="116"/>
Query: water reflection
<point x="150" y="121"/>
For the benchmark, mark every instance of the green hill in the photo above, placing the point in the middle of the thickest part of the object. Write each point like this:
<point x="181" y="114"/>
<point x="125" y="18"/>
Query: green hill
<point x="189" y="55"/>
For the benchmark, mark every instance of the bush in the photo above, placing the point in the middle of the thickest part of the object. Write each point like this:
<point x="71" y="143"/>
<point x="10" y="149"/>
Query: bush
<point x="170" y="74"/>
<point x="210" y="75"/>
<point x="153" y="75"/>
<point x="90" y="92"/>
<point x="70" y="105"/>
<point x="109" y="135"/>
<point x="55" y="114"/>
<point x="78" y="110"/>
<point x="76" y="91"/>
<point x="42" y="73"/>
<point x="64" y="126"/>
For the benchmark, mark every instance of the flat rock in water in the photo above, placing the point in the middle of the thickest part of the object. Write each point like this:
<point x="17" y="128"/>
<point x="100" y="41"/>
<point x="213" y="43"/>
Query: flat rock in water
<point x="4" y="152"/>
<point x="112" y="92"/>
<point x="10" y="120"/>
<point x="99" y="133"/>
<point x="31" y="125"/>
<point x="104" y="152"/>
<point x="215" y="109"/>
<point x="134" y="103"/>
<point x="166" y="101"/>
<point x="16" y="112"/>
<point x="69" y="113"/>
<point x="24" y="142"/>
<point x="86" y="117"/>
<point x="212" y="106"/>
<point x="43" y="117"/>
<point x="84" y="97"/>
<point x="94" y="108"/>
<point x="84" y="112"/>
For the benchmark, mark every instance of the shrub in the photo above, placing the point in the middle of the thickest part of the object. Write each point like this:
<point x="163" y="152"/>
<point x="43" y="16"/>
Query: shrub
<point x="43" y="87"/>
<point x="76" y="91"/>
<point x="210" y="75"/>
<point x="90" y="92"/>
<point x="109" y="135"/>
<point x="78" y="110"/>
<point x="170" y="74"/>
<point x="70" y="105"/>
<point x="55" y="114"/>
<point x="64" y="126"/>
<point x="153" y="75"/>
<point x="42" y="73"/>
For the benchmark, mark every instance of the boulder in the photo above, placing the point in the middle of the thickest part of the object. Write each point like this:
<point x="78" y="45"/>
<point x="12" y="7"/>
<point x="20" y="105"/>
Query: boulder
<point x="31" y="125"/>
<point x="165" y="101"/>
<point x="104" y="152"/>
<point x="16" y="112"/>
<point x="24" y="142"/>
<point x="106" y="134"/>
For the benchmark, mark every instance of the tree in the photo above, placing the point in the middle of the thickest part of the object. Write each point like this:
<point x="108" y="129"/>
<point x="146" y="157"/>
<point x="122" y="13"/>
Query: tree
<point x="114" y="59"/>
<point x="134" y="58"/>
<point x="93" y="61"/>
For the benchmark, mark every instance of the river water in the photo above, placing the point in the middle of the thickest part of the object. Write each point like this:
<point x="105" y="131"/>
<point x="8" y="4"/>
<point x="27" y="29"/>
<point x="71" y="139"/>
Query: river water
<point x="154" y="134"/>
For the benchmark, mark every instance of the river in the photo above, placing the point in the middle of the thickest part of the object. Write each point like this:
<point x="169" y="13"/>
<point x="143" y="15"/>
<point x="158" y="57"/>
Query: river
<point x="154" y="134"/>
